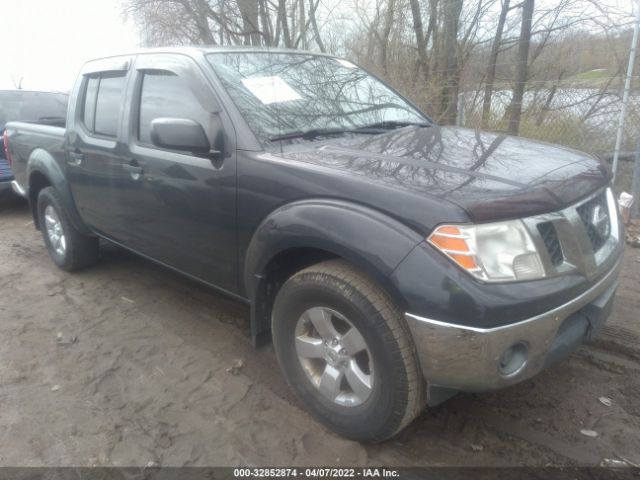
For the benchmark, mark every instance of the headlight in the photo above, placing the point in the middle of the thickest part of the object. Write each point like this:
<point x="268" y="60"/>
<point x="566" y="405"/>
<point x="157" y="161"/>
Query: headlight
<point x="493" y="252"/>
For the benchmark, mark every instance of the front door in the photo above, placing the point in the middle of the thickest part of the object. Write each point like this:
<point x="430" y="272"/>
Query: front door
<point x="180" y="207"/>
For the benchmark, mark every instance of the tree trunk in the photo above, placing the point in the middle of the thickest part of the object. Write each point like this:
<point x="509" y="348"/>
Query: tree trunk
<point x="491" y="69"/>
<point x="283" y="21"/>
<point x="433" y="32"/>
<point x="303" y="25"/>
<point x="547" y="103"/>
<point x="524" y="43"/>
<point x="384" y="38"/>
<point x="421" y="40"/>
<point x="250" y="23"/>
<point x="449" y="97"/>
<point x="199" y="15"/>
<point x="314" y="25"/>
<point x="267" y="27"/>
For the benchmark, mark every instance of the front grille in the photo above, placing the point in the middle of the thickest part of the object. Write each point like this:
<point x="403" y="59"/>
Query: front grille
<point x="552" y="242"/>
<point x="581" y="237"/>
<point x="595" y="217"/>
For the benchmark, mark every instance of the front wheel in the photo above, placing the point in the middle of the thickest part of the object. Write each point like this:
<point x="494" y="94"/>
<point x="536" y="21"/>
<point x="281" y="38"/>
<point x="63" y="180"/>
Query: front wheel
<point x="346" y="351"/>
<point x="68" y="248"/>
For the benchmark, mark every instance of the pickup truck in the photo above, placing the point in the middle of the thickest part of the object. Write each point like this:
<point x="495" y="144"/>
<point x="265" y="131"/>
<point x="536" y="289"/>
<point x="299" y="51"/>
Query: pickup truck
<point x="391" y="262"/>
<point x="27" y="106"/>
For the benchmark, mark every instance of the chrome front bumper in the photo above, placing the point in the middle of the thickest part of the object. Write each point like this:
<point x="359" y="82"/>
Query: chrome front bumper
<point x="468" y="359"/>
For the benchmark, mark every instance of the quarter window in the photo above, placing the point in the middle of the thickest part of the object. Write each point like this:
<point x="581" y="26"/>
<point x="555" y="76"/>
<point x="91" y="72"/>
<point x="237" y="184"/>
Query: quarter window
<point x="89" y="113"/>
<point x="164" y="94"/>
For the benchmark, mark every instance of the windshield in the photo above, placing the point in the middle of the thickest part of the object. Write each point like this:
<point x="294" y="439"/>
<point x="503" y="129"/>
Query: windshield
<point x="25" y="106"/>
<point x="283" y="93"/>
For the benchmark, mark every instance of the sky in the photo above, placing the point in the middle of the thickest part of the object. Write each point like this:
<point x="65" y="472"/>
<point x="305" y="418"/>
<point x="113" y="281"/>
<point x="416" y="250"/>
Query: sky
<point x="46" y="41"/>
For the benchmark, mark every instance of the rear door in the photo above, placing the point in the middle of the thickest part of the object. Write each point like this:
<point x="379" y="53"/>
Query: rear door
<point x="95" y="144"/>
<point x="180" y="207"/>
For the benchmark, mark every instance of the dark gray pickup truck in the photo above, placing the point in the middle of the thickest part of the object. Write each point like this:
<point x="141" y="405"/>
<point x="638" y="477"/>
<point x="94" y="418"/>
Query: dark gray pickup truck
<point x="392" y="262"/>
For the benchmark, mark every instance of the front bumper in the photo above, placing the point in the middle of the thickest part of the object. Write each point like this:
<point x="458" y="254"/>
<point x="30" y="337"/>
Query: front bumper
<point x="465" y="358"/>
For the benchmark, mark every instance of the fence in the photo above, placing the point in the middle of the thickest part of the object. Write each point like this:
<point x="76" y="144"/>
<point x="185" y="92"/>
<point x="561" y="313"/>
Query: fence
<point x="579" y="114"/>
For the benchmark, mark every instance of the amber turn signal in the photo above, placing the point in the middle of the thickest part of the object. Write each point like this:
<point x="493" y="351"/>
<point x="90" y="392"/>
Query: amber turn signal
<point x="455" y="244"/>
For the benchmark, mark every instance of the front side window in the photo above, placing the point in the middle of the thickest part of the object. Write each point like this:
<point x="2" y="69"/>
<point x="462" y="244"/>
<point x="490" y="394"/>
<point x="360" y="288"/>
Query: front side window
<point x="164" y="94"/>
<point x="102" y="104"/>
<point x="280" y="93"/>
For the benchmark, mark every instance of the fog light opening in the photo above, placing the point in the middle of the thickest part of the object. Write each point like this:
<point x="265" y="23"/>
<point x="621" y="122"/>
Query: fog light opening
<point x="513" y="359"/>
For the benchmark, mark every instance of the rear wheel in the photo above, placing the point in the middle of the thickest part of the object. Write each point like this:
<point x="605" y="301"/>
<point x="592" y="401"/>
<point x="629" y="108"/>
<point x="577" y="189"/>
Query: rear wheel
<point x="68" y="248"/>
<point x="346" y="351"/>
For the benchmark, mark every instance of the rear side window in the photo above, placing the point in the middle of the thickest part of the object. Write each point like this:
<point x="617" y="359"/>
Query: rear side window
<point x="164" y="94"/>
<point x="102" y="103"/>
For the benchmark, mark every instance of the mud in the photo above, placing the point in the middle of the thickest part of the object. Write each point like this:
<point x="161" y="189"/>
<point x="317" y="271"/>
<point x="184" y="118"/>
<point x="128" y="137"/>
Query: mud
<point x="129" y="364"/>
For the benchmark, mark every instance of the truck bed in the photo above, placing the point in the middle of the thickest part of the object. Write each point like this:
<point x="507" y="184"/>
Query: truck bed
<point x="29" y="139"/>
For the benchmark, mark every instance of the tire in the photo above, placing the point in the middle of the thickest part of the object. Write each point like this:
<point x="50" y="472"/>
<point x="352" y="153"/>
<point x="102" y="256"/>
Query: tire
<point x="368" y="396"/>
<point x="68" y="248"/>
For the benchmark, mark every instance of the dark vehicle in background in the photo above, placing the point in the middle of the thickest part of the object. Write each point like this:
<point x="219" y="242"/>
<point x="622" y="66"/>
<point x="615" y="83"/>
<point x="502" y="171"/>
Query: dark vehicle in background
<point x="47" y="108"/>
<point x="392" y="262"/>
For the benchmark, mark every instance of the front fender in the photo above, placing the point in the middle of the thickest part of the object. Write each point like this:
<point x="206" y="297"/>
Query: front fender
<point x="370" y="240"/>
<point x="42" y="163"/>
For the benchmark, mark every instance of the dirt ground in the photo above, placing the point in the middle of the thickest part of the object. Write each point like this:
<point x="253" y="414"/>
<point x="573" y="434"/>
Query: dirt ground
<point x="126" y="364"/>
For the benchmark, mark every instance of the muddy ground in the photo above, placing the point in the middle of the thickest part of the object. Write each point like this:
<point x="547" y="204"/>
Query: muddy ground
<point x="146" y="380"/>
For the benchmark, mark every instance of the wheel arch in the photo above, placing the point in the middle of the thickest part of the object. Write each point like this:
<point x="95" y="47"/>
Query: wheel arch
<point x="303" y="233"/>
<point x="44" y="171"/>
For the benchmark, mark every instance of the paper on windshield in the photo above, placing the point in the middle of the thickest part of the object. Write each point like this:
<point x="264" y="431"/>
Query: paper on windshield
<point x="345" y="63"/>
<point x="270" y="89"/>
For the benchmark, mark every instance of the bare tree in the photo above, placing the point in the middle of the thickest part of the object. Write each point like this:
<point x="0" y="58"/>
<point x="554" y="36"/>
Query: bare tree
<point x="493" y="59"/>
<point x="451" y="73"/>
<point x="250" y="27"/>
<point x="431" y="50"/>
<point x="288" y="23"/>
<point x="313" y="7"/>
<point x="515" y="108"/>
<point x="386" y="33"/>
<point x="421" y="37"/>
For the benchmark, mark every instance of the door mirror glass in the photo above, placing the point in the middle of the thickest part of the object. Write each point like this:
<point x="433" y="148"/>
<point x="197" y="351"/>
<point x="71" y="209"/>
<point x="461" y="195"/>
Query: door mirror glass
<point x="181" y="134"/>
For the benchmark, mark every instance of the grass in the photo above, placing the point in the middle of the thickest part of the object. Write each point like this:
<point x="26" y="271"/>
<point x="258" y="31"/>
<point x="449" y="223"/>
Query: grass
<point x="596" y="74"/>
<point x="598" y="78"/>
<point x="561" y="128"/>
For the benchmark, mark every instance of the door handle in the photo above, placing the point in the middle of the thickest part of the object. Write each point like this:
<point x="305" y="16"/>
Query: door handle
<point x="132" y="169"/>
<point x="75" y="159"/>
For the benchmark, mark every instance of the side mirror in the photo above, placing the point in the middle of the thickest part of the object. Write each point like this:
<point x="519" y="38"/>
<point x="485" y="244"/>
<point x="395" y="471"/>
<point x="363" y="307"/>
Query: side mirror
<point x="181" y="134"/>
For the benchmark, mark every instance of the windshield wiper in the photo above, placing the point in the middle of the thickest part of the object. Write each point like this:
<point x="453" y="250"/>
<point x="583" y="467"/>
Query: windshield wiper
<point x="390" y="125"/>
<point x="309" y="134"/>
<point x="372" y="128"/>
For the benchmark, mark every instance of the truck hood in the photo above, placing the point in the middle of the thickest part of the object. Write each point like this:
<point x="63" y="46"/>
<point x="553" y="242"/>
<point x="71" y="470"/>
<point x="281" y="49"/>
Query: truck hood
<point x="490" y="175"/>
